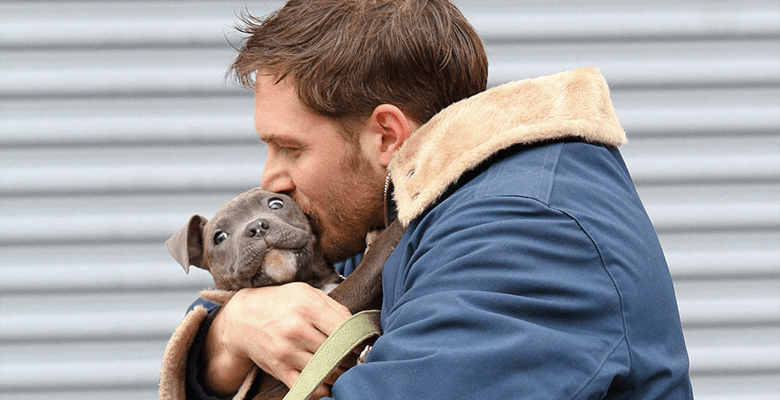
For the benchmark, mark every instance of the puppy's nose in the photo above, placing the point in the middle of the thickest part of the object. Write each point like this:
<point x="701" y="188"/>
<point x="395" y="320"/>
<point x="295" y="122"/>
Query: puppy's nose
<point x="258" y="228"/>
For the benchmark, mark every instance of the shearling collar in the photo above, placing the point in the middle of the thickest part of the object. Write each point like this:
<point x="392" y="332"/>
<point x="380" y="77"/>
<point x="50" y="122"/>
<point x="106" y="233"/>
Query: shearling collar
<point x="571" y="104"/>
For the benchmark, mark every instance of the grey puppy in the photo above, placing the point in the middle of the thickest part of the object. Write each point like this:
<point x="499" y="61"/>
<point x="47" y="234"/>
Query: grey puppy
<point x="259" y="238"/>
<point x="262" y="238"/>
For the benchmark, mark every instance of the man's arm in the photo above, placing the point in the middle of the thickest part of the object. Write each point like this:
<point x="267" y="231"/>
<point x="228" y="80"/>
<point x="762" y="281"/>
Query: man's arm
<point x="278" y="328"/>
<point x="502" y="296"/>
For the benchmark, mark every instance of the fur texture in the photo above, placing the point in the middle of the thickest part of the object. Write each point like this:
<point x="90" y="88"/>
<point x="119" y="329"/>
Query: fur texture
<point x="174" y="363"/>
<point x="571" y="104"/>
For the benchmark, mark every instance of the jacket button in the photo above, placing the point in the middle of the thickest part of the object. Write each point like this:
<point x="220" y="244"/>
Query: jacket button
<point x="409" y="175"/>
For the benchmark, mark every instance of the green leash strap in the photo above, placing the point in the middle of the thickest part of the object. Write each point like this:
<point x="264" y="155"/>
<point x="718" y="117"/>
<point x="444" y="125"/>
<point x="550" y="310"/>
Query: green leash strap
<point x="351" y="333"/>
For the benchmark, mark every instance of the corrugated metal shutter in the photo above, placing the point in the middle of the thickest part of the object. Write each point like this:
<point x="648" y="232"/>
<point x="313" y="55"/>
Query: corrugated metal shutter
<point x="115" y="126"/>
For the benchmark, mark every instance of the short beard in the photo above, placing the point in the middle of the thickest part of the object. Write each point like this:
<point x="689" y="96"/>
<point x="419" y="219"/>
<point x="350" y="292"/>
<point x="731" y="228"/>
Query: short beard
<point x="354" y="206"/>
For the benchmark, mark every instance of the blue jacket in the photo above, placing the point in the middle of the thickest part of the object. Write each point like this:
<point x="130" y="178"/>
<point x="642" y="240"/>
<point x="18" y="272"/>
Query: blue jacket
<point x="529" y="272"/>
<point x="529" y="269"/>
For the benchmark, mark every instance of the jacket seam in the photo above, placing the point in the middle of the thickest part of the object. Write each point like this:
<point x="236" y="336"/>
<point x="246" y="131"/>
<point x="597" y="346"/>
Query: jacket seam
<point x="552" y="175"/>
<point x="603" y="361"/>
<point x="617" y="291"/>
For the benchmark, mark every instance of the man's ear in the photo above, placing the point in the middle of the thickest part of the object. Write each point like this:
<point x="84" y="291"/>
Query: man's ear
<point x="186" y="245"/>
<point x="393" y="127"/>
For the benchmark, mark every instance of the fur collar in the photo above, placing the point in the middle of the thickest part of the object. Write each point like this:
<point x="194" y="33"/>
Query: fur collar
<point x="571" y="104"/>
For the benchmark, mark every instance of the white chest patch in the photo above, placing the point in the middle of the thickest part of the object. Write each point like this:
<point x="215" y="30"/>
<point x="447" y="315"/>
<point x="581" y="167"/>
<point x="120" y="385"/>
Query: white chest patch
<point x="280" y="265"/>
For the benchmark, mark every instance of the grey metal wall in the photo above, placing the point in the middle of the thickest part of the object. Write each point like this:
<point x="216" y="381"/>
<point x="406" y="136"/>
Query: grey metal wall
<point x="115" y="126"/>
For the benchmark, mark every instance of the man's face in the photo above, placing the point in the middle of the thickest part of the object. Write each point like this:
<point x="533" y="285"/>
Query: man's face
<point x="331" y="180"/>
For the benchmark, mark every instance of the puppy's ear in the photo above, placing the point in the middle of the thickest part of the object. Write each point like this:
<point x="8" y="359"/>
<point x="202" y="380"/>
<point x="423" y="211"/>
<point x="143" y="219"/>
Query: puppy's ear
<point x="186" y="245"/>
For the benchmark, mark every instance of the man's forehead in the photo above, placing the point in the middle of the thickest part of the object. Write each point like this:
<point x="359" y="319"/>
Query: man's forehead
<point x="270" y="89"/>
<point x="277" y="107"/>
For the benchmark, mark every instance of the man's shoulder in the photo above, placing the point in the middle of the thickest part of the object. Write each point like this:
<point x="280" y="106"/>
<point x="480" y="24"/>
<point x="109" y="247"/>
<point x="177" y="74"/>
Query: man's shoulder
<point x="534" y="171"/>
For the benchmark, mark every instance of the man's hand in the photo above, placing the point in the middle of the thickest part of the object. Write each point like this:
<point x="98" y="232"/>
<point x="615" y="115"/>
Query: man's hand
<point x="278" y="328"/>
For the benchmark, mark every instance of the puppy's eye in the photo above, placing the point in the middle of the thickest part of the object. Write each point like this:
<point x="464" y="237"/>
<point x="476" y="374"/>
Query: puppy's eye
<point x="275" y="203"/>
<point x="220" y="237"/>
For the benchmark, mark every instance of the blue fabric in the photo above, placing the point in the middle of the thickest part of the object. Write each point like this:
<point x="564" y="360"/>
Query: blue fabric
<point x="538" y="276"/>
<point x="346" y="267"/>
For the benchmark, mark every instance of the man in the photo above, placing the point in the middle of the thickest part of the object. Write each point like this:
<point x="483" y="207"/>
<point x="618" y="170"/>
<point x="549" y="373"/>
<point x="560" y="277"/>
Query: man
<point x="529" y="268"/>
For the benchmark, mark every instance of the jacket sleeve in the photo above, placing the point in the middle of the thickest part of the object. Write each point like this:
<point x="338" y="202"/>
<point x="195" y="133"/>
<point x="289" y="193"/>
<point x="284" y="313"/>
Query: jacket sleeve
<point x="494" y="297"/>
<point x="178" y="373"/>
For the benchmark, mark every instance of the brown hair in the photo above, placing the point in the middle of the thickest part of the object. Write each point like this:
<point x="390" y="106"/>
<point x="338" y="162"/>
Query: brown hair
<point x="346" y="57"/>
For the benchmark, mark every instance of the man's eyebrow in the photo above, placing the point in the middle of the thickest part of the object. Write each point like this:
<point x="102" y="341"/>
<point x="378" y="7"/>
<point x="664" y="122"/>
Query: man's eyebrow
<point x="266" y="137"/>
<point x="280" y="139"/>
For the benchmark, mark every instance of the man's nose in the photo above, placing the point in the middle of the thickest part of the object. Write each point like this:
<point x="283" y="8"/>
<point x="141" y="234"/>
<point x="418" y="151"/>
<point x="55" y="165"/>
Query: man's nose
<point x="276" y="178"/>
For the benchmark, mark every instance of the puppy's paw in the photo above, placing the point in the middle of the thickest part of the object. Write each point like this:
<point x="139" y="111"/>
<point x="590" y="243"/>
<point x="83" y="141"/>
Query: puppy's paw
<point x="370" y="236"/>
<point x="363" y="355"/>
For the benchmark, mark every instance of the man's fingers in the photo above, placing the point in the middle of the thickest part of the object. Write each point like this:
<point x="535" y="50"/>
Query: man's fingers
<point x="303" y="334"/>
<point x="290" y="376"/>
<point x="280" y="328"/>
<point x="337" y="317"/>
